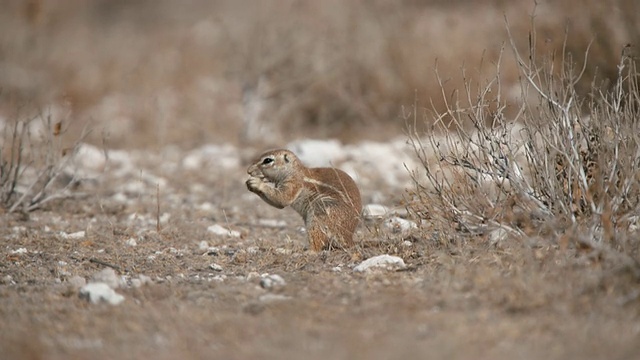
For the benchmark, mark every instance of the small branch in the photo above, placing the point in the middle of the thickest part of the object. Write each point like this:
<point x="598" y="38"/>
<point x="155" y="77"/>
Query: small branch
<point x="100" y="262"/>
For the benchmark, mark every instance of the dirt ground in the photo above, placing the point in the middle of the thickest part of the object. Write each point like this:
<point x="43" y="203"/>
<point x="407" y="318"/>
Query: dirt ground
<point x="160" y="79"/>
<point x="455" y="300"/>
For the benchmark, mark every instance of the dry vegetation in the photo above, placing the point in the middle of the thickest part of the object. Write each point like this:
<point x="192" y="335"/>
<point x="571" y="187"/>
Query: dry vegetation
<point x="527" y="200"/>
<point x="205" y="70"/>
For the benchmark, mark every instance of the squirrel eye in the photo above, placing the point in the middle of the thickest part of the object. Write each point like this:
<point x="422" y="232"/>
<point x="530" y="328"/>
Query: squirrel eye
<point x="267" y="161"/>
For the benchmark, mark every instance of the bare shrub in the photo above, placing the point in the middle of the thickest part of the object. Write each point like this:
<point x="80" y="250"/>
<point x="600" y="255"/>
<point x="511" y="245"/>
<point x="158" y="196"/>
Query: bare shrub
<point x="554" y="167"/>
<point x="33" y="161"/>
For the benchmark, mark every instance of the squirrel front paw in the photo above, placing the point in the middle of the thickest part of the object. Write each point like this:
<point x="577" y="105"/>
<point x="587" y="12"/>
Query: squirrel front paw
<point x="254" y="184"/>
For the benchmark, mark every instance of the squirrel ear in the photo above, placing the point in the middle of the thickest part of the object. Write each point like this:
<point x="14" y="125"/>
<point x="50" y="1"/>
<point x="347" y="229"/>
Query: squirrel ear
<point x="286" y="158"/>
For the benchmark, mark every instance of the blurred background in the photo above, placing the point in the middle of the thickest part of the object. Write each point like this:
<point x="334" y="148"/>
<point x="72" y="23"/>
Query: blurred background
<point x="152" y="73"/>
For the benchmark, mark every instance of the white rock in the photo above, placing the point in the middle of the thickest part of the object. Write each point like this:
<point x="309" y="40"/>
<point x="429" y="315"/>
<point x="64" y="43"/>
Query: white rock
<point x="219" y="278"/>
<point x="219" y="230"/>
<point x="215" y="267"/>
<point x="225" y="156"/>
<point x="386" y="160"/>
<point x="145" y="279"/>
<point x="272" y="281"/>
<point x="373" y="211"/>
<point x="120" y="158"/>
<point x="97" y="292"/>
<point x="89" y="157"/>
<point x="164" y="218"/>
<point x="73" y="236"/>
<point x="205" y="206"/>
<point x="120" y="197"/>
<point x="19" y="251"/>
<point x="213" y="250"/>
<point x="398" y="224"/>
<point x="107" y="276"/>
<point x="386" y="262"/>
<point x="134" y="188"/>
<point x="273" y="223"/>
<point x="317" y="153"/>
<point x="203" y="245"/>
<point x="141" y="281"/>
<point x="131" y="242"/>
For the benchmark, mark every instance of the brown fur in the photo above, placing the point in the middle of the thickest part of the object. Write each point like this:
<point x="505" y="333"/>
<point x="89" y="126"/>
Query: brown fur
<point x="327" y="198"/>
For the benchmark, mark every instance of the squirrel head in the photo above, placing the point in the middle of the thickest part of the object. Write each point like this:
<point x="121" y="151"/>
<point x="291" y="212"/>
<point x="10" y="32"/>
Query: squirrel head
<point x="276" y="165"/>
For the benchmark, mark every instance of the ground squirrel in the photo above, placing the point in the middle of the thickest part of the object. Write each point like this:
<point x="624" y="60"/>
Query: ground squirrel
<point x="327" y="198"/>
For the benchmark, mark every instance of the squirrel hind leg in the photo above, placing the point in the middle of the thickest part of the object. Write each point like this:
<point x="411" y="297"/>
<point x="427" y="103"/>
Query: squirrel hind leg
<point x="323" y="238"/>
<point x="318" y="238"/>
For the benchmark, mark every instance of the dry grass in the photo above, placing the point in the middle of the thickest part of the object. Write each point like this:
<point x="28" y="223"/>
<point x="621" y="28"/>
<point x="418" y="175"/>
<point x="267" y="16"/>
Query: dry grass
<point x="34" y="161"/>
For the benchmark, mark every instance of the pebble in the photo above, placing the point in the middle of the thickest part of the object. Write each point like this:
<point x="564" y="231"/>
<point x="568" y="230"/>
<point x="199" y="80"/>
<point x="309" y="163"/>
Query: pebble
<point x="120" y="197"/>
<point x="131" y="242"/>
<point x="19" y="251"/>
<point x="219" y="230"/>
<point x="398" y="224"/>
<point x="97" y="292"/>
<point x="145" y="279"/>
<point x="215" y="267"/>
<point x="218" y="278"/>
<point x="73" y="236"/>
<point x="272" y="223"/>
<point x="386" y="262"/>
<point x="206" y="206"/>
<point x="140" y="281"/>
<point x="164" y="218"/>
<point x="374" y="211"/>
<point x="317" y="153"/>
<point x="272" y="281"/>
<point x="89" y="157"/>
